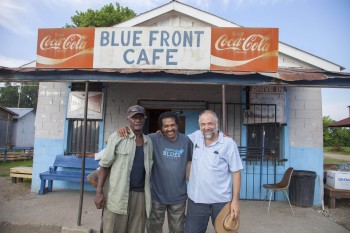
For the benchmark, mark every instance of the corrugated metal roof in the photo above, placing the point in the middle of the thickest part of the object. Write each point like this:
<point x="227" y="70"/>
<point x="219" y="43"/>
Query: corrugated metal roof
<point x="20" y="111"/>
<point x="283" y="74"/>
<point x="342" y="123"/>
<point x="9" y="111"/>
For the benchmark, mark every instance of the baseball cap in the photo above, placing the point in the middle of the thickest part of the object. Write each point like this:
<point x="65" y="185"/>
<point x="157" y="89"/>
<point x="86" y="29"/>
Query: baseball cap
<point x="136" y="109"/>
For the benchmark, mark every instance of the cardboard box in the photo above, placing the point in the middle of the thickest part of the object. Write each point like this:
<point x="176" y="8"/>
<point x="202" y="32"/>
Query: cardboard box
<point x="338" y="179"/>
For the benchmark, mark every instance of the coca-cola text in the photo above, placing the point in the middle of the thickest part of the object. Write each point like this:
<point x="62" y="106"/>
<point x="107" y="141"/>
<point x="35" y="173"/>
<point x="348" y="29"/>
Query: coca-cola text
<point x="72" y="42"/>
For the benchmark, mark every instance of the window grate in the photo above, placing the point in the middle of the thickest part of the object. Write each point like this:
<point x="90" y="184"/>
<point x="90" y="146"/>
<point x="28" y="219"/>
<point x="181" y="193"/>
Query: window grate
<point x="75" y="136"/>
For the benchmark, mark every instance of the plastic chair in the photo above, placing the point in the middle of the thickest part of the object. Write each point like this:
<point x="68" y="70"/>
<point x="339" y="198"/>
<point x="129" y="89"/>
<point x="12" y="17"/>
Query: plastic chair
<point x="281" y="186"/>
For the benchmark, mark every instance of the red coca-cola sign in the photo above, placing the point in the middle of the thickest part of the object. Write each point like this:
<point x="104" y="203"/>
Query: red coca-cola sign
<point x="65" y="48"/>
<point x="244" y="49"/>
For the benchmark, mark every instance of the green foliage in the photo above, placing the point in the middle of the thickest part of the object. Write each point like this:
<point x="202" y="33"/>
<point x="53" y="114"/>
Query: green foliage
<point x="106" y="17"/>
<point x="28" y="98"/>
<point x="335" y="137"/>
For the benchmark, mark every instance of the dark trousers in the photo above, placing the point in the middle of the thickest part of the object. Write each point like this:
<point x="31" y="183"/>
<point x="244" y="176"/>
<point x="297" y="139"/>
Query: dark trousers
<point x="198" y="216"/>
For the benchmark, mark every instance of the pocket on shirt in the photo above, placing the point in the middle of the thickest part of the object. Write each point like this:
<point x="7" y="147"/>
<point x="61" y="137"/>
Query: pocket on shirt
<point x="121" y="159"/>
<point x="213" y="162"/>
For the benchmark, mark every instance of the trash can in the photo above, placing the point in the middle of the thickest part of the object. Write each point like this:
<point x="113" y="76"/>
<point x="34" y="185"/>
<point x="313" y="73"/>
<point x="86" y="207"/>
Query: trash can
<point x="302" y="188"/>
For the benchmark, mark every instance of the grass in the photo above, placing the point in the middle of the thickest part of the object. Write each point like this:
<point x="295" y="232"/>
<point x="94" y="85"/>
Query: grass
<point x="345" y="151"/>
<point x="335" y="161"/>
<point x="5" y="167"/>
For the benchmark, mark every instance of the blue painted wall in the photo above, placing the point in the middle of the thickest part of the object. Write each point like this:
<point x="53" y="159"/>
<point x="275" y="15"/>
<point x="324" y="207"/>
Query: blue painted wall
<point x="309" y="159"/>
<point x="45" y="152"/>
<point x="191" y="120"/>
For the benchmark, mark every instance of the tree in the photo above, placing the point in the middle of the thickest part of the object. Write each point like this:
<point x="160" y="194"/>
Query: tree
<point x="23" y="95"/>
<point x="106" y="17"/>
<point x="335" y="137"/>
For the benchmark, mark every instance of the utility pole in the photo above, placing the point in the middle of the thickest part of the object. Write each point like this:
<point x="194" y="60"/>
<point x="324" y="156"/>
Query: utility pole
<point x="19" y="95"/>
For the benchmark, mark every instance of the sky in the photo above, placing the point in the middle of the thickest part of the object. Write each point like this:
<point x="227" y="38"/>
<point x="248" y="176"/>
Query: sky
<point x="319" y="27"/>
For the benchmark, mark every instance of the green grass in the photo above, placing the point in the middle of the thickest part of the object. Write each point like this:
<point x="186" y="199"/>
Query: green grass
<point x="5" y="167"/>
<point x="345" y="151"/>
<point x="335" y="161"/>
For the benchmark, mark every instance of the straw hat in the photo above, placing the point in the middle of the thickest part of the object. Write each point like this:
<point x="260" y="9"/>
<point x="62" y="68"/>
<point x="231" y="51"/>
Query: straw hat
<point x="224" y="223"/>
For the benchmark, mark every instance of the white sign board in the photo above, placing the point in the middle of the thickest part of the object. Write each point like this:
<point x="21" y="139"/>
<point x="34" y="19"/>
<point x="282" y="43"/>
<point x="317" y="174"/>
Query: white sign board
<point x="76" y="105"/>
<point x="267" y="104"/>
<point x="152" y="48"/>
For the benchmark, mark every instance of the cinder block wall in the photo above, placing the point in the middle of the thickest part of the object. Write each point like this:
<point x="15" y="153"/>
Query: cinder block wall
<point x="121" y="95"/>
<point x="49" y="127"/>
<point x="305" y="128"/>
<point x="51" y="131"/>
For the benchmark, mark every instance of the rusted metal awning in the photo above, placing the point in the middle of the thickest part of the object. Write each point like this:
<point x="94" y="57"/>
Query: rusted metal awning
<point x="284" y="76"/>
<point x="342" y="123"/>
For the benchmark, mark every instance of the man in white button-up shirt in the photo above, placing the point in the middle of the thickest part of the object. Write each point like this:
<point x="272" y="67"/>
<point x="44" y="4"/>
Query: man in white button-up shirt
<point x="215" y="176"/>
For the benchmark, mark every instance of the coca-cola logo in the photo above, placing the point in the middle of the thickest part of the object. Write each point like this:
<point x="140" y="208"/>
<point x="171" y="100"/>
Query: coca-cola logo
<point x="72" y="42"/>
<point x="237" y="42"/>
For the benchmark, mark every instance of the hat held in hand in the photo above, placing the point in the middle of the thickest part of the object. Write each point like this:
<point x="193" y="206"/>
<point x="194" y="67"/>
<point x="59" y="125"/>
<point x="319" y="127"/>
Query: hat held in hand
<point x="224" y="223"/>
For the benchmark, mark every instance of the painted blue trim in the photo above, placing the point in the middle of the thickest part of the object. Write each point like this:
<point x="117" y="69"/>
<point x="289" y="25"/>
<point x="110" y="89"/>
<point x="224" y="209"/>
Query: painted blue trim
<point x="287" y="130"/>
<point x="101" y="143"/>
<point x="191" y="120"/>
<point x="66" y="121"/>
<point x="243" y="127"/>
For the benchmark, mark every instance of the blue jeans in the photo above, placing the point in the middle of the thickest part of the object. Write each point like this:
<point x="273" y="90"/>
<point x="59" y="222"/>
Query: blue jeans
<point x="198" y="216"/>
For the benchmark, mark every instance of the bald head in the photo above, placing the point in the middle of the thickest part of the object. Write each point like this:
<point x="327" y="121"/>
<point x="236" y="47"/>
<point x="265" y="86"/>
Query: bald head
<point x="208" y="123"/>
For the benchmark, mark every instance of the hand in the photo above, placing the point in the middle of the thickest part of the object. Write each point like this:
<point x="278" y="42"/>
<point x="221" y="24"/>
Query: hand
<point x="235" y="209"/>
<point x="159" y="132"/>
<point x="99" y="200"/>
<point x="123" y="131"/>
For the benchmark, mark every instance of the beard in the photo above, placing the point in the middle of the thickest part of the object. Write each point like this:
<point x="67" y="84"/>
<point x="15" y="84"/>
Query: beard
<point x="209" y="134"/>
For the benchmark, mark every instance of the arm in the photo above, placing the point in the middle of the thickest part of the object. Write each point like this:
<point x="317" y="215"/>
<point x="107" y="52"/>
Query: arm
<point x="189" y="162"/>
<point x="188" y="170"/>
<point x="100" y="198"/>
<point x="92" y="178"/>
<point x="236" y="188"/>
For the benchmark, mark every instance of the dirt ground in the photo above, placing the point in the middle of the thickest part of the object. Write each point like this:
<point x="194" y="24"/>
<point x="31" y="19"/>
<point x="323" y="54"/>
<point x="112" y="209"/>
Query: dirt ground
<point x="10" y="191"/>
<point x="340" y="214"/>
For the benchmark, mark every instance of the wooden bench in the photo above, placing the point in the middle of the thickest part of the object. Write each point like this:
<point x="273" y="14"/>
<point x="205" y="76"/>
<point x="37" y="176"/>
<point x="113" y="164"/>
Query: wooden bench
<point x="4" y="156"/>
<point x="70" y="170"/>
<point x="20" y="173"/>
<point x="334" y="194"/>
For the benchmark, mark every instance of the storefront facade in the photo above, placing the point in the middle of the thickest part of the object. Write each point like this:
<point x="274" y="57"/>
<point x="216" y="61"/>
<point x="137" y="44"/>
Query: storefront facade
<point x="274" y="117"/>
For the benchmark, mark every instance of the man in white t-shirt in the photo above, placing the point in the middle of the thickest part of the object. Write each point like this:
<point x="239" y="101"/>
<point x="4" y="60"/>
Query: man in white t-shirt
<point x="215" y="176"/>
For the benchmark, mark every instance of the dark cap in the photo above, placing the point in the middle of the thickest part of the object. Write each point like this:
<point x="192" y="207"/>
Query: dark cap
<point x="136" y="109"/>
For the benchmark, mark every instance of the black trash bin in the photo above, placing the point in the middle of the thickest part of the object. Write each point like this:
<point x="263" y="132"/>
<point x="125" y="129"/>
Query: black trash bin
<point x="302" y="188"/>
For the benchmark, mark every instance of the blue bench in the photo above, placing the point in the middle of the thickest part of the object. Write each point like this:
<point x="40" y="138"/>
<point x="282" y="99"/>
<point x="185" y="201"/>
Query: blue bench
<point x="70" y="171"/>
<point x="23" y="149"/>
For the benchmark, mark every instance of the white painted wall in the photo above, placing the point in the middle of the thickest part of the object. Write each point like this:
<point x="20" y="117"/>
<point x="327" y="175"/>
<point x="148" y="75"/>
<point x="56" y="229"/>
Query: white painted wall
<point x="119" y="96"/>
<point x="305" y="117"/>
<point x="51" y="110"/>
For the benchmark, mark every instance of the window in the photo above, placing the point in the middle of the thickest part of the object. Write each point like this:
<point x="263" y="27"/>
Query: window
<point x="75" y="126"/>
<point x="268" y="137"/>
<point x="75" y="137"/>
